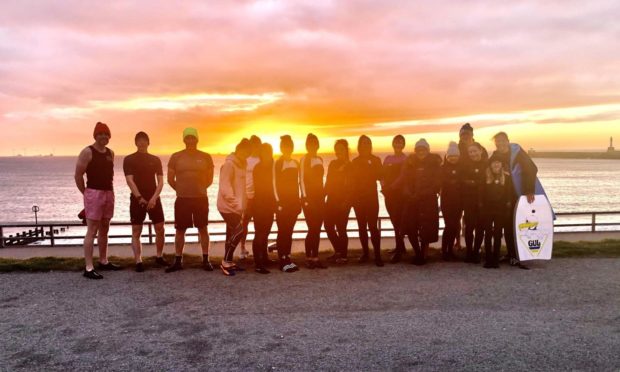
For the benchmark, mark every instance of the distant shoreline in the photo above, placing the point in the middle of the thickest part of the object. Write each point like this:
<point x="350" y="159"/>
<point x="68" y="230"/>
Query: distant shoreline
<point x="615" y="155"/>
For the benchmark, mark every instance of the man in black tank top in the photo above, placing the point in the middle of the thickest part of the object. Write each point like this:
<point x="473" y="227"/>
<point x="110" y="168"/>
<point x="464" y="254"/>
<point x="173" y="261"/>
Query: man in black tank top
<point x="97" y="162"/>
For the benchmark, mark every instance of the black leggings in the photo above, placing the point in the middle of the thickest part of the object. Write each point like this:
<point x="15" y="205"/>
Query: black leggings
<point x="285" y="219"/>
<point x="395" y="205"/>
<point x="336" y="220"/>
<point x="495" y="222"/>
<point x="314" y="219"/>
<point x="234" y="232"/>
<point x="452" y="213"/>
<point x="367" y="216"/>
<point x="262" y="227"/>
<point x="474" y="228"/>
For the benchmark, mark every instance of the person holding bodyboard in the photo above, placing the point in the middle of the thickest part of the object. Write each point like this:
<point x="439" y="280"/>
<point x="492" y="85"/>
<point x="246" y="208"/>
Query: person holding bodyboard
<point x="532" y="238"/>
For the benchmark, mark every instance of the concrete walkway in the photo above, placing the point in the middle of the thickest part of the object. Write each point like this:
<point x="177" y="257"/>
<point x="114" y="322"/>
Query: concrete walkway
<point x="560" y="316"/>
<point x="217" y="248"/>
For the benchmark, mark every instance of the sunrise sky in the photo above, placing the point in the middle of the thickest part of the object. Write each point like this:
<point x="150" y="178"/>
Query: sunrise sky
<point x="548" y="72"/>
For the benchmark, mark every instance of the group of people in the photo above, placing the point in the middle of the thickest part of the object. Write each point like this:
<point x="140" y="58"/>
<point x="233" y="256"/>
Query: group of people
<point x="474" y="191"/>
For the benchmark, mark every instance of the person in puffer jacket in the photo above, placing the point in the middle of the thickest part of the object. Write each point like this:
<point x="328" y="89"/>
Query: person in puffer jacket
<point x="231" y="202"/>
<point x="421" y="181"/>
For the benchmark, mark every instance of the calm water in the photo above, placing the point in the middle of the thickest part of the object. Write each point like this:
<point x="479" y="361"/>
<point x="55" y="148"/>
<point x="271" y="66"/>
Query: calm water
<point x="572" y="185"/>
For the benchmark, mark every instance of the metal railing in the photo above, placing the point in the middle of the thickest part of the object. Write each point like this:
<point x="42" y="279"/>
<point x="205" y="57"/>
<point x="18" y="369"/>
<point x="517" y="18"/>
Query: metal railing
<point x="50" y="231"/>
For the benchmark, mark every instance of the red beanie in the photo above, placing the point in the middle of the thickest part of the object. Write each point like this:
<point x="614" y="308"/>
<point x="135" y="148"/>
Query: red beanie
<point x="102" y="128"/>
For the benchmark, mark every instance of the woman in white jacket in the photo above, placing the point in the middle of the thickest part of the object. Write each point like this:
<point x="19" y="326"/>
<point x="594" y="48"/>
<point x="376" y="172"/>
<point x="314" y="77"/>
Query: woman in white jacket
<point x="231" y="201"/>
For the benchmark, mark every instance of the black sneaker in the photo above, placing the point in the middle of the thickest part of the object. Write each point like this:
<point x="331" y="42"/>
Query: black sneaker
<point x="207" y="266"/>
<point x="342" y="261"/>
<point x="262" y="270"/>
<point x="396" y="258"/>
<point x="310" y="264"/>
<point x="92" y="274"/>
<point x="319" y="265"/>
<point x="109" y="267"/>
<point x="363" y="259"/>
<point x="379" y="262"/>
<point x="174" y="267"/>
<point x="139" y="267"/>
<point x="161" y="262"/>
<point x="487" y="266"/>
<point x="522" y="266"/>
<point x="289" y="268"/>
<point x="238" y="268"/>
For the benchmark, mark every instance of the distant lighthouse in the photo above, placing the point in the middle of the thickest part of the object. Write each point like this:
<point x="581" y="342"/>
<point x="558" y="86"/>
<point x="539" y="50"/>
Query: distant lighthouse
<point x="611" y="145"/>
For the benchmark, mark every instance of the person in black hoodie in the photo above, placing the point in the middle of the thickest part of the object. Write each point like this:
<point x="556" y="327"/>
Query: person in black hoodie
<point x="512" y="155"/>
<point x="394" y="200"/>
<point x="451" y="202"/>
<point x="286" y="190"/>
<point x="421" y="182"/>
<point x="498" y="205"/>
<point x="264" y="207"/>
<point x="473" y="186"/>
<point x="338" y="205"/>
<point x="313" y="200"/>
<point x="365" y="173"/>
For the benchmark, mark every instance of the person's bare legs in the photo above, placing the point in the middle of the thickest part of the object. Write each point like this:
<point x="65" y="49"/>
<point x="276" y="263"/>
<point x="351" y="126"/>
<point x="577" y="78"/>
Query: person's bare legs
<point x="179" y="242"/>
<point x="89" y="242"/>
<point x="160" y="238"/>
<point x="136" y="244"/>
<point x="203" y="233"/>
<point x="102" y="240"/>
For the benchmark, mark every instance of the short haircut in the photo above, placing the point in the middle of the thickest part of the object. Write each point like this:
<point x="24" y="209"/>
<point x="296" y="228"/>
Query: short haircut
<point x="500" y="134"/>
<point x="398" y="137"/>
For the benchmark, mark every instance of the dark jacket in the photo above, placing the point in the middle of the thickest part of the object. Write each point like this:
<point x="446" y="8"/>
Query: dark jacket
<point x="451" y="182"/>
<point x="264" y="198"/>
<point x="474" y="178"/>
<point x="421" y="177"/>
<point x="338" y="183"/>
<point x="286" y="182"/>
<point x="365" y="172"/>
<point x="529" y="171"/>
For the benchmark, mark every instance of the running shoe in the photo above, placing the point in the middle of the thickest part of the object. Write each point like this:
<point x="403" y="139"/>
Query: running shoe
<point x="139" y="267"/>
<point x="207" y="266"/>
<point x="262" y="270"/>
<point x="109" y="267"/>
<point x="92" y="274"/>
<point x="174" y="267"/>
<point x="161" y="261"/>
<point x="319" y="265"/>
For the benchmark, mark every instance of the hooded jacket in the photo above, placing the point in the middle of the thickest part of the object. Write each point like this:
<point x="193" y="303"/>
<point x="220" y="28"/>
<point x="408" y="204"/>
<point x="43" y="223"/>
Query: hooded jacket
<point x="232" y="195"/>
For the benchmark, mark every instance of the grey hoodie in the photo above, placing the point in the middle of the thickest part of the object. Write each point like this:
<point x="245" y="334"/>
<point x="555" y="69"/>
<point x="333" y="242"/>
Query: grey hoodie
<point x="232" y="196"/>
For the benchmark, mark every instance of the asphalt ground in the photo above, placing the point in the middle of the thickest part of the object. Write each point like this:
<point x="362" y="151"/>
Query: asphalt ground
<point x="560" y="315"/>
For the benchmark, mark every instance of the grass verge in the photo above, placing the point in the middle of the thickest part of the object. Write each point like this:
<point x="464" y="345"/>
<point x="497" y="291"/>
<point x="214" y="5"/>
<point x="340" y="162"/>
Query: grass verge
<point x="601" y="249"/>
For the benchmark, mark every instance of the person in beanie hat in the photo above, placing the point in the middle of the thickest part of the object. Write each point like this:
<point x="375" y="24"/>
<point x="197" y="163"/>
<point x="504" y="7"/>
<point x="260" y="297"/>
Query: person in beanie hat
<point x="97" y="163"/>
<point x="145" y="178"/>
<point x="451" y="203"/>
<point x="421" y="184"/>
<point x="190" y="173"/>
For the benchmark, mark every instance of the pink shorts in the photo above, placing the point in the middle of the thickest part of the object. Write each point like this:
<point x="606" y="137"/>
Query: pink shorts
<point x="98" y="204"/>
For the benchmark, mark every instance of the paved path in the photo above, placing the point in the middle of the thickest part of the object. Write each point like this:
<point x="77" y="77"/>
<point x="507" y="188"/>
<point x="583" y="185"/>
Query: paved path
<point x="561" y="315"/>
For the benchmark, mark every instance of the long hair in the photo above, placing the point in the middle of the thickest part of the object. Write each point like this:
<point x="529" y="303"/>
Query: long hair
<point x="492" y="177"/>
<point x="344" y="143"/>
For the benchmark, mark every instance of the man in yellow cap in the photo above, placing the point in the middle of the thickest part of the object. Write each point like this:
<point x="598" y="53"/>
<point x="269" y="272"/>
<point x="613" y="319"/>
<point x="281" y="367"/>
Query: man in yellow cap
<point x="190" y="173"/>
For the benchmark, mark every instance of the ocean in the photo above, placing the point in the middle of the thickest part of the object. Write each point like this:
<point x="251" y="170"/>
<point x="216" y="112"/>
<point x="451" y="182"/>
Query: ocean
<point x="572" y="186"/>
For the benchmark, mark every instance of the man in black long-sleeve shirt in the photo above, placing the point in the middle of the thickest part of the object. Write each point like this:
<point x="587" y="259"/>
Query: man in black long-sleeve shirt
<point x="512" y="155"/>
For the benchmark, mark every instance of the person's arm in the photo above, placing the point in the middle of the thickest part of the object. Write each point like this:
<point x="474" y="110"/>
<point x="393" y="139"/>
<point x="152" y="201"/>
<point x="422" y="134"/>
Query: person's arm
<point x="529" y="172"/>
<point x="209" y="175"/>
<point x="80" y="168"/>
<point x="226" y="182"/>
<point x="160" y="186"/>
<point x="275" y="183"/>
<point x="172" y="173"/>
